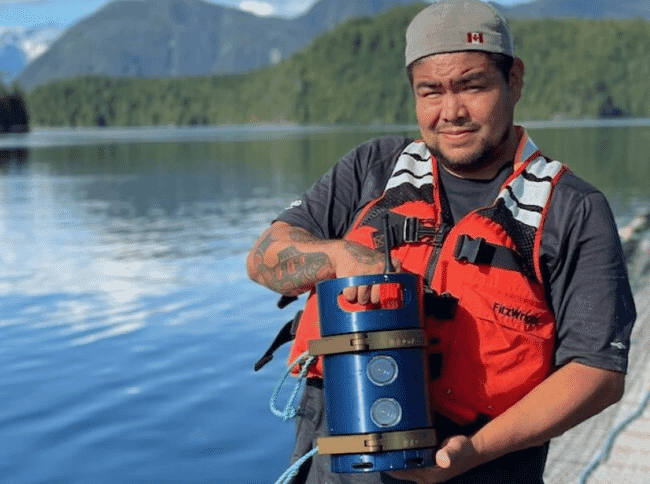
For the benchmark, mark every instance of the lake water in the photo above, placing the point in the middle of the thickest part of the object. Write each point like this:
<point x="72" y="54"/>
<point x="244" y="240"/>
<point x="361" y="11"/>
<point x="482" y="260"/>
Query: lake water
<point x="128" y="327"/>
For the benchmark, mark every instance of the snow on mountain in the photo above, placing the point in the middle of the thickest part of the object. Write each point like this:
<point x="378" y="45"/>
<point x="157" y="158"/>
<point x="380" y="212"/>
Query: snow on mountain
<point x="21" y="45"/>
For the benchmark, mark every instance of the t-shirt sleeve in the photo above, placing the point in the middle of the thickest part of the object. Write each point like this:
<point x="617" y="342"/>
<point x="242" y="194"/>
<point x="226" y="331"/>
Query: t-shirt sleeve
<point x="587" y="284"/>
<point x="328" y="208"/>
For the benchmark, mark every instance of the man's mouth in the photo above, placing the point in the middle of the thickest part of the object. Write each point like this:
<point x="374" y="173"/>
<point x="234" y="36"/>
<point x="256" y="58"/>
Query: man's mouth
<point x="456" y="134"/>
<point x="457" y="131"/>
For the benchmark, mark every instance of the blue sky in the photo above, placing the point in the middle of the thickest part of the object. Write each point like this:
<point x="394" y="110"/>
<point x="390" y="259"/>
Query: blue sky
<point x="29" y="13"/>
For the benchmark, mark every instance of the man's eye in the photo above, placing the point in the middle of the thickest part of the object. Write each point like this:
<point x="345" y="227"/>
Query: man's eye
<point x="429" y="93"/>
<point x="474" y="87"/>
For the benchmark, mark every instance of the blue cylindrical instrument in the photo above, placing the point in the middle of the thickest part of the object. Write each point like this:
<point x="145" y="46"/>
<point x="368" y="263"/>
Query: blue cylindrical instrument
<point x="375" y="379"/>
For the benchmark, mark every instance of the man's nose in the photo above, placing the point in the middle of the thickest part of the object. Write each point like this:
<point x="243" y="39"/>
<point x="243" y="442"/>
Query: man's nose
<point x="453" y="108"/>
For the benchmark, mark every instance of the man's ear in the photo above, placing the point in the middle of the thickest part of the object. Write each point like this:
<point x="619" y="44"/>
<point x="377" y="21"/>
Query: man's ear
<point x="516" y="80"/>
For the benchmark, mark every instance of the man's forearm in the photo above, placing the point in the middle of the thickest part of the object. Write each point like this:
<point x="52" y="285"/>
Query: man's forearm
<point x="571" y="395"/>
<point x="289" y="260"/>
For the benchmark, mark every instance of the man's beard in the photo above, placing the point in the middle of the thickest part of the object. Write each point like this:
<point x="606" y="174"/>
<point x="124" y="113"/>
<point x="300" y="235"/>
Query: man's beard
<point x="474" y="162"/>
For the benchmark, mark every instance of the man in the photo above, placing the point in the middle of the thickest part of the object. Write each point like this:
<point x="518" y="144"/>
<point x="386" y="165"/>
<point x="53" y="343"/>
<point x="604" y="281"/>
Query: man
<point x="539" y="338"/>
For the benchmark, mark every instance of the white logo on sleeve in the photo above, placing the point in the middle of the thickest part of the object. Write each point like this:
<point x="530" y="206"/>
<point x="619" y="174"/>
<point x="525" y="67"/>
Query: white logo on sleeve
<point x="619" y="345"/>
<point x="295" y="203"/>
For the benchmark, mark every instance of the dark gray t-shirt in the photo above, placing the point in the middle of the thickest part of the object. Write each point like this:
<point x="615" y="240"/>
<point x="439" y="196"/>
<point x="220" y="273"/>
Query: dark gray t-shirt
<point x="581" y="256"/>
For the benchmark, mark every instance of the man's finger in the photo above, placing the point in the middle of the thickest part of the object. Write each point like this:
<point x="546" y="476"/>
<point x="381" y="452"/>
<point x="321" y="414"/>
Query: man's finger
<point x="350" y="294"/>
<point x="363" y="294"/>
<point x="375" y="294"/>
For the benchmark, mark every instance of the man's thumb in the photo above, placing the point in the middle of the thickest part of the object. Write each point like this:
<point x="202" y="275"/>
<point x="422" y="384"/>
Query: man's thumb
<point x="447" y="453"/>
<point x="443" y="459"/>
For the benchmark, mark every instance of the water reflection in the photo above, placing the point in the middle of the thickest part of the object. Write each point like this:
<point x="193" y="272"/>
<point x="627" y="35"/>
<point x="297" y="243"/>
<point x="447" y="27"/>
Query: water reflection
<point x="615" y="160"/>
<point x="13" y="160"/>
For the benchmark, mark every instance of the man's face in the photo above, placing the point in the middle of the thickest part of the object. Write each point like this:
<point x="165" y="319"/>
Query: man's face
<point x="465" y="109"/>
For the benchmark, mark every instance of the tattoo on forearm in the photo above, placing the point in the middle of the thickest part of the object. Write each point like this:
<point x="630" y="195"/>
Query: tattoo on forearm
<point x="265" y="243"/>
<point x="363" y="254"/>
<point x="301" y="236"/>
<point x="295" y="271"/>
<point x="287" y="254"/>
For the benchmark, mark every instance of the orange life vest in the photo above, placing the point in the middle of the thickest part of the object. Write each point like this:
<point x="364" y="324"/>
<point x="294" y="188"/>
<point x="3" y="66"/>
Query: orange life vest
<point x="492" y="332"/>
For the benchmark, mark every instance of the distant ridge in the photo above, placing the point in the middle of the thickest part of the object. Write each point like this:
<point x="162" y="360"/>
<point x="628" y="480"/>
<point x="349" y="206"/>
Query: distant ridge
<point x="182" y="38"/>
<point x="179" y="38"/>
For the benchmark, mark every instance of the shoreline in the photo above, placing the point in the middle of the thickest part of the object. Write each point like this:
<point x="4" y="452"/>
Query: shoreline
<point x="40" y="136"/>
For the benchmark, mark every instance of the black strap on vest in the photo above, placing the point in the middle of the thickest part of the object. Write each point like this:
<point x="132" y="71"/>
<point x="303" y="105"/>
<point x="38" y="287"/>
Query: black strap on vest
<point x="440" y="306"/>
<point x="286" y="334"/>
<point x="479" y="251"/>
<point x="402" y="229"/>
<point x="286" y="300"/>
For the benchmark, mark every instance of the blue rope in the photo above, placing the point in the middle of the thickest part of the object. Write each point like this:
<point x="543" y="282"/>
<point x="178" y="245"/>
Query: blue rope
<point x="609" y="443"/>
<point x="289" y="411"/>
<point x="291" y="472"/>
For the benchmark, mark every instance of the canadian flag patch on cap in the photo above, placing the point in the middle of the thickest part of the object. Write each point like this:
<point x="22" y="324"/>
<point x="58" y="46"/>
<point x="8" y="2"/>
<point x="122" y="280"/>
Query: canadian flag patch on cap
<point x="475" y="37"/>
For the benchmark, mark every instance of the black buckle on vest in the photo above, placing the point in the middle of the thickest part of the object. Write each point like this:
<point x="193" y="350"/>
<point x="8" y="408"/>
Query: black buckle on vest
<point x="467" y="248"/>
<point x="414" y="231"/>
<point x="440" y="306"/>
<point x="479" y="251"/>
<point x="410" y="232"/>
<point x="407" y="230"/>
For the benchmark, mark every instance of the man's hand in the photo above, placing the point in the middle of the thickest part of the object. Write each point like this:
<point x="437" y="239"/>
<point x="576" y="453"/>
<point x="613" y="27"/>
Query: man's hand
<point x="456" y="456"/>
<point x="352" y="259"/>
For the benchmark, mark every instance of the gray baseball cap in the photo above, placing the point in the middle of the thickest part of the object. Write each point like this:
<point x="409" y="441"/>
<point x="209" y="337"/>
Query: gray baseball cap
<point x="457" y="25"/>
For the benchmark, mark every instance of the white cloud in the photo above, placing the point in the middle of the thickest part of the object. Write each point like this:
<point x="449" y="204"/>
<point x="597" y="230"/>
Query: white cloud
<point x="261" y="9"/>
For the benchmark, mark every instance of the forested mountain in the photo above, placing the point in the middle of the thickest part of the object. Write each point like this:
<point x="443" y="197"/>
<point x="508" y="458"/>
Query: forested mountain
<point x="178" y="38"/>
<point x="355" y="74"/>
